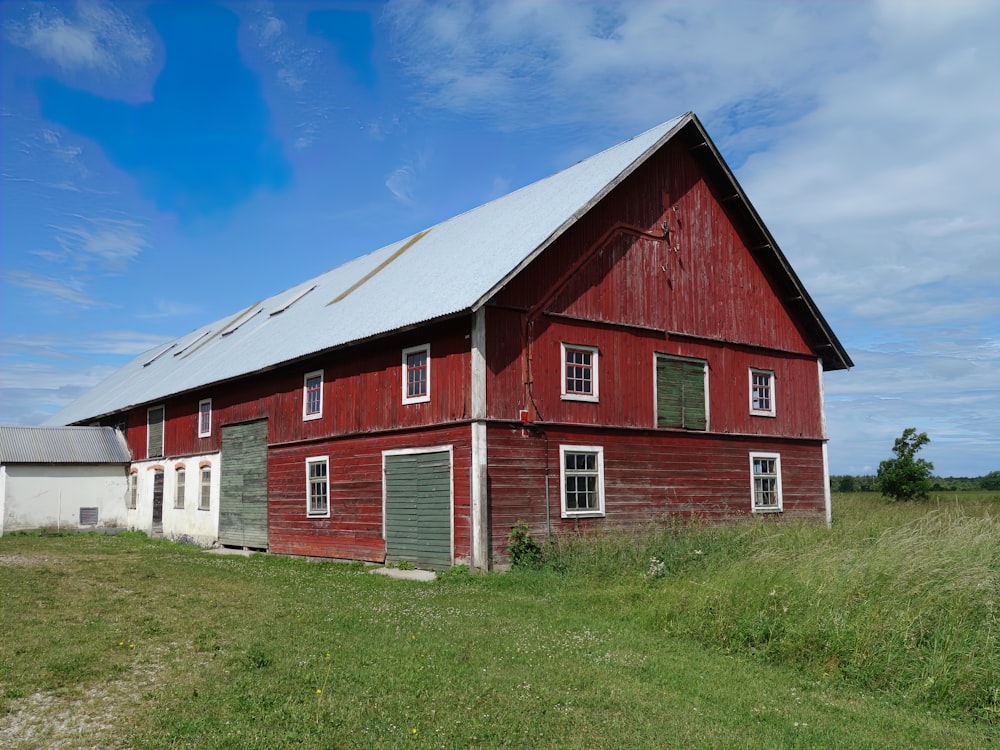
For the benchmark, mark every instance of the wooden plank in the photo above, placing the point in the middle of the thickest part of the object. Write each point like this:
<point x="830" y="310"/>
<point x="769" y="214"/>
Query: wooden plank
<point x="418" y="508"/>
<point x="243" y="504"/>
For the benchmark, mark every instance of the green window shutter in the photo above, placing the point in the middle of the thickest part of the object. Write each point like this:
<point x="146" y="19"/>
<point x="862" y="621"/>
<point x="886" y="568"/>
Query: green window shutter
<point x="680" y="393"/>
<point x="155" y="426"/>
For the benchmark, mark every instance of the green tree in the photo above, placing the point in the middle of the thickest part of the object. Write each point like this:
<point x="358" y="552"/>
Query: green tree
<point x="906" y="477"/>
<point x="846" y="484"/>
<point x="991" y="481"/>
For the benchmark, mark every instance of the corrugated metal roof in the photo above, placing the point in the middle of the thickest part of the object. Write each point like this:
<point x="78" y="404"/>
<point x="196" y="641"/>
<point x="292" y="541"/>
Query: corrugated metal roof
<point x="62" y="445"/>
<point x="444" y="270"/>
<point x="450" y="268"/>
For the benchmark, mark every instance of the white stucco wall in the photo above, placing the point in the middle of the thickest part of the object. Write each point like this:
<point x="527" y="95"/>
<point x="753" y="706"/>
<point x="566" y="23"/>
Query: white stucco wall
<point x="189" y="523"/>
<point x="49" y="496"/>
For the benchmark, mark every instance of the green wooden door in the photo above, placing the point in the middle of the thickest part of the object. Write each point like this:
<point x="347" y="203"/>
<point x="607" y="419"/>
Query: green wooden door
<point x="243" y="505"/>
<point x="418" y="508"/>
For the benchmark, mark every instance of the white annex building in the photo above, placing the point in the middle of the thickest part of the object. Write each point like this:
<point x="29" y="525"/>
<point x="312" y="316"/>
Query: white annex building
<point x="63" y="478"/>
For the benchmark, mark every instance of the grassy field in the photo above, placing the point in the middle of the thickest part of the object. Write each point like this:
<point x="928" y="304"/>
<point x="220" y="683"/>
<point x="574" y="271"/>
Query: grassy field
<point x="880" y="633"/>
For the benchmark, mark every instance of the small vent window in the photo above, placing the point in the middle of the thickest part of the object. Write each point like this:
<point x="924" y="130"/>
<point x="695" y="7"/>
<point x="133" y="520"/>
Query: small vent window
<point x="179" y="352"/>
<point x="88" y="516"/>
<point x="292" y="300"/>
<point x="159" y="354"/>
<point x="240" y="319"/>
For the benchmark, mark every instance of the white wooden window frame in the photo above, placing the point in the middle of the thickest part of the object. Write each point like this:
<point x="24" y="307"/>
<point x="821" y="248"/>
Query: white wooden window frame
<point x="180" y="487"/>
<point x="325" y="462"/>
<point x="755" y="490"/>
<point x="205" y="418"/>
<point x="306" y="414"/>
<point x="133" y="490"/>
<point x="596" y="450"/>
<point x="567" y="395"/>
<point x="423" y="397"/>
<point x="205" y="488"/>
<point x="754" y="410"/>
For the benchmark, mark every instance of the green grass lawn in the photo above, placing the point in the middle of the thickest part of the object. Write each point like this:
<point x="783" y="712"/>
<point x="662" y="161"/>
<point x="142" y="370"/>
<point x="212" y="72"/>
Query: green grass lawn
<point x="880" y="633"/>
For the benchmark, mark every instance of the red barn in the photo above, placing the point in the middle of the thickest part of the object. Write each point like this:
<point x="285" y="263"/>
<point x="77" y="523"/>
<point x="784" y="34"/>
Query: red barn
<point x="616" y="343"/>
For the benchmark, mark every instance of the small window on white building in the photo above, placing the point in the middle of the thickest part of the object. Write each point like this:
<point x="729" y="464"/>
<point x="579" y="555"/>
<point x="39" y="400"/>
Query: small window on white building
<point x="581" y="477"/>
<point x="179" y="481"/>
<point x="417" y="374"/>
<point x="761" y="392"/>
<point x="765" y="482"/>
<point x="318" y="487"/>
<point x="133" y="490"/>
<point x="205" y="494"/>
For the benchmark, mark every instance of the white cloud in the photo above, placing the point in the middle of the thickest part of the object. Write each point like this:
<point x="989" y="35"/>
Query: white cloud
<point x="49" y="286"/>
<point x="111" y="242"/>
<point x="99" y="37"/>
<point x="404" y="182"/>
<point x="401" y="184"/>
<point x="41" y="373"/>
<point x="528" y="63"/>
<point x="166" y="309"/>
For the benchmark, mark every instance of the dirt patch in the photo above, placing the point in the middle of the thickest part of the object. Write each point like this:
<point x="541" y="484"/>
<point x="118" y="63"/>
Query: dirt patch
<point x="91" y="718"/>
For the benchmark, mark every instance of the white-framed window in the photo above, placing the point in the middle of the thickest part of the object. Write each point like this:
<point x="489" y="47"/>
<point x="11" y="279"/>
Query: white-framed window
<point x="312" y="395"/>
<point x="681" y="392"/>
<point x="417" y="374"/>
<point x="154" y="431"/>
<point x="765" y="482"/>
<point x="761" y="392"/>
<point x="205" y="417"/>
<point x="581" y="479"/>
<point x="180" y="477"/>
<point x="579" y="372"/>
<point x="318" y="487"/>
<point x="205" y="489"/>
<point x="133" y="490"/>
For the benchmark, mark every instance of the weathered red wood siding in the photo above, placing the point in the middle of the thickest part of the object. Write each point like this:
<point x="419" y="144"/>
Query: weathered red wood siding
<point x="362" y="393"/>
<point x="648" y="475"/>
<point x="354" y="528"/>
<point x="701" y="279"/>
<point x="626" y="370"/>
<point x="697" y="293"/>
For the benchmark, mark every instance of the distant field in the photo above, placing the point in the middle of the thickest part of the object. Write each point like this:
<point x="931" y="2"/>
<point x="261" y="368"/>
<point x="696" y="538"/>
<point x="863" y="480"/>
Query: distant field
<point x="882" y="632"/>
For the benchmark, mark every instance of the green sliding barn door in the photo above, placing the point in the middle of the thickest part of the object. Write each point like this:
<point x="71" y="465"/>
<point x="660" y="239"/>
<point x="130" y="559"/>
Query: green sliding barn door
<point x="243" y="508"/>
<point x="418" y="508"/>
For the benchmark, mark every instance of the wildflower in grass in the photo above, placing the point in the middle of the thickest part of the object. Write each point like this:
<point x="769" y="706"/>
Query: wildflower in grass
<point x="319" y="691"/>
<point x="413" y="731"/>
<point x="656" y="568"/>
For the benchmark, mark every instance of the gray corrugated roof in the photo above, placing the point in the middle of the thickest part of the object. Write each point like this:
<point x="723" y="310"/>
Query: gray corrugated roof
<point x="449" y="268"/>
<point x="62" y="445"/>
<point x="452" y="267"/>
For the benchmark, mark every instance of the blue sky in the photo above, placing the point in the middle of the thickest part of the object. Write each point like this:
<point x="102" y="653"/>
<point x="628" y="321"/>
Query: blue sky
<point x="164" y="165"/>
